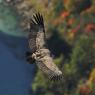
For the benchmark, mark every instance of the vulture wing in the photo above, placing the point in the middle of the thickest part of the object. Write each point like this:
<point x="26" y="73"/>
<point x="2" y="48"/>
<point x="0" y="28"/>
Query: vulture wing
<point x="37" y="33"/>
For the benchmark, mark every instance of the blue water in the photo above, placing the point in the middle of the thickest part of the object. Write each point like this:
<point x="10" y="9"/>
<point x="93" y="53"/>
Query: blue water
<point x="15" y="74"/>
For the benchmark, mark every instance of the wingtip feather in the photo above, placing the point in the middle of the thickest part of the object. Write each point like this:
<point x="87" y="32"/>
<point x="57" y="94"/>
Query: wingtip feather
<point x="39" y="19"/>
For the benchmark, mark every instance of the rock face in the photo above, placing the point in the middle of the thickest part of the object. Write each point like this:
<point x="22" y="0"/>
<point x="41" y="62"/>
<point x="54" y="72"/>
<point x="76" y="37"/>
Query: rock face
<point x="23" y="8"/>
<point x="10" y="19"/>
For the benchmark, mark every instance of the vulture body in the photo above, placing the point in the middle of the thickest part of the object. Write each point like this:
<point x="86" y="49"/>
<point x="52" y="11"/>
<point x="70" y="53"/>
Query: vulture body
<point x="40" y="53"/>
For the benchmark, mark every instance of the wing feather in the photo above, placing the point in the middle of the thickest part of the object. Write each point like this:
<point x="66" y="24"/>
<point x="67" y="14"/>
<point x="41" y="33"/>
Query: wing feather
<point x="46" y="65"/>
<point x="36" y="32"/>
<point x="51" y="74"/>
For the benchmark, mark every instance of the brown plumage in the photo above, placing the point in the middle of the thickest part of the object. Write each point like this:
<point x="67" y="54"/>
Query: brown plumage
<point x="39" y="50"/>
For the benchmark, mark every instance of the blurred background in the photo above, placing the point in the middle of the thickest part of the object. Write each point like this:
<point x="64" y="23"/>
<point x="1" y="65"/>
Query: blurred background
<point x="70" y="32"/>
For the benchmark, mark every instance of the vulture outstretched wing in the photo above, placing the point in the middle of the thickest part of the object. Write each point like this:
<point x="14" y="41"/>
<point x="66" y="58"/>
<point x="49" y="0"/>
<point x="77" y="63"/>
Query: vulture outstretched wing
<point x="40" y="53"/>
<point x="37" y="33"/>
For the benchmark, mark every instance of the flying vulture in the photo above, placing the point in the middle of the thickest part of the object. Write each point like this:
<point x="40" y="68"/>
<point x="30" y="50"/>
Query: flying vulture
<point x="40" y="54"/>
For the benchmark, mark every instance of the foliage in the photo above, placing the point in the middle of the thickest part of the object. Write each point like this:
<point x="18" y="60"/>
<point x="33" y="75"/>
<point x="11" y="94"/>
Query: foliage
<point x="78" y="31"/>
